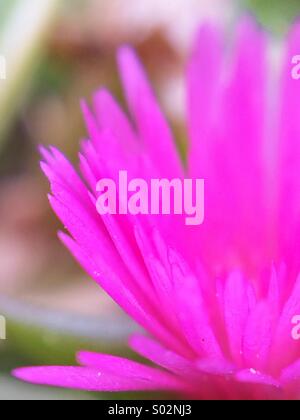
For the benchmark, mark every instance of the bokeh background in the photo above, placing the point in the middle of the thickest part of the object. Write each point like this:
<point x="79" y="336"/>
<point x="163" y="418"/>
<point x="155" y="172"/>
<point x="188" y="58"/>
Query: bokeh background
<point x="57" y="52"/>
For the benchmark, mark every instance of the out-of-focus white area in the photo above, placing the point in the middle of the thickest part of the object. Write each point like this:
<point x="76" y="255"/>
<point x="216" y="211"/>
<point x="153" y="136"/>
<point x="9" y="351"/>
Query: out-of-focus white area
<point x="11" y="390"/>
<point x="110" y="23"/>
<point x="177" y="18"/>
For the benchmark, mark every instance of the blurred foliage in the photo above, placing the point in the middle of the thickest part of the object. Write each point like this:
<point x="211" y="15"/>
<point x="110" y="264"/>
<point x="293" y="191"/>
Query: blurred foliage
<point x="22" y="50"/>
<point x="277" y="15"/>
<point x="28" y="345"/>
<point x="38" y="345"/>
<point x="51" y="77"/>
<point x="5" y="7"/>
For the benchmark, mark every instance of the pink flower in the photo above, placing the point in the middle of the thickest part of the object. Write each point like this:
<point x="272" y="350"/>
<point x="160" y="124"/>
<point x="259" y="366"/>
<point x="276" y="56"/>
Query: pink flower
<point x="217" y="300"/>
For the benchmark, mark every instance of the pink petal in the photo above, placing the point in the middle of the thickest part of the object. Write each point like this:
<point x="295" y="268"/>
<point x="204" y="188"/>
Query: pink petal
<point x="107" y="278"/>
<point x="283" y="335"/>
<point x="289" y="155"/>
<point x="216" y="366"/>
<point x="95" y="379"/>
<point x="228" y="151"/>
<point x="203" y="80"/>
<point x="291" y="373"/>
<point x="252" y="376"/>
<point x="127" y="368"/>
<point x="236" y="313"/>
<point x="258" y="336"/>
<point x="191" y="310"/>
<point x="112" y="118"/>
<point x="150" y="122"/>
<point x="60" y="169"/>
<point x="162" y="356"/>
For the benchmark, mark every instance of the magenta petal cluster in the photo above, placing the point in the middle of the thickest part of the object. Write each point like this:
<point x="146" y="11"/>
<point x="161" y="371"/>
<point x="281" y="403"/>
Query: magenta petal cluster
<point x="216" y="301"/>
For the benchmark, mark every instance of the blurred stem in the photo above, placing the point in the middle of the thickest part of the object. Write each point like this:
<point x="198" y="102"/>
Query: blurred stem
<point x="21" y="37"/>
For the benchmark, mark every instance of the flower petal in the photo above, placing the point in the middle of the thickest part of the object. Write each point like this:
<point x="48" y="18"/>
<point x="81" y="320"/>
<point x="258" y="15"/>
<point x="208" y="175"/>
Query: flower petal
<point x="252" y="376"/>
<point x="236" y="313"/>
<point x="151" y="124"/>
<point x="152" y="350"/>
<point x="95" y="379"/>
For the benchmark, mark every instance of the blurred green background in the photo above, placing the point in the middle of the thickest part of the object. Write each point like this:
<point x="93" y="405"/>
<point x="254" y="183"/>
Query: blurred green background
<point x="56" y="53"/>
<point x="275" y="14"/>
